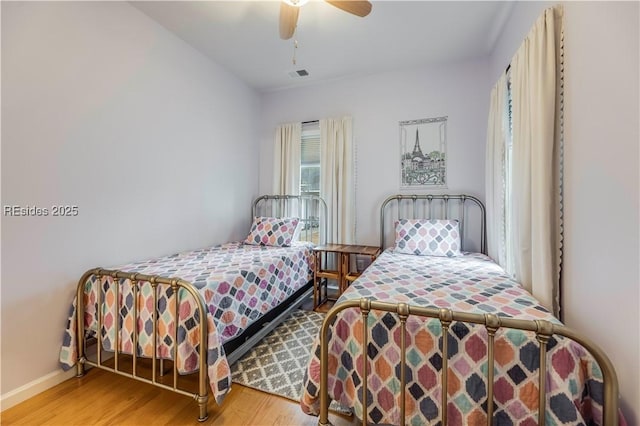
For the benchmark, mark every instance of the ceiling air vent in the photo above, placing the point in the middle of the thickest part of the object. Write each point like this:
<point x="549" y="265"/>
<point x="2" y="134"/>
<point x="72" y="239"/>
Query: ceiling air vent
<point x="298" y="73"/>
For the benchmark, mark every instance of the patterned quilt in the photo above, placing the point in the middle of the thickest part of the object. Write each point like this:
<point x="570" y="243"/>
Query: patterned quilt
<point x="471" y="283"/>
<point x="239" y="283"/>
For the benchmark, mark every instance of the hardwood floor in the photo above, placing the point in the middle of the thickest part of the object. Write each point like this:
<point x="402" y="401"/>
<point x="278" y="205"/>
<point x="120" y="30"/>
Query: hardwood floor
<point x="103" y="398"/>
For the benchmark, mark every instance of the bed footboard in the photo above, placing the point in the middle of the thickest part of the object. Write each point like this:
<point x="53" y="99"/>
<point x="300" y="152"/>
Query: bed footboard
<point x="544" y="330"/>
<point x="110" y="282"/>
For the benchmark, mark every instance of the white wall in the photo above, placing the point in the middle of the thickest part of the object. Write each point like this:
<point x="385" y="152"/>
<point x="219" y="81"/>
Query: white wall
<point x="601" y="278"/>
<point x="600" y="271"/>
<point x="104" y="109"/>
<point x="377" y="103"/>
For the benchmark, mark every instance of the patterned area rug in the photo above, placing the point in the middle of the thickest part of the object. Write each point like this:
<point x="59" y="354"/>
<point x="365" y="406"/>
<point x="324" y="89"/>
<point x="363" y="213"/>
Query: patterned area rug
<point x="277" y="364"/>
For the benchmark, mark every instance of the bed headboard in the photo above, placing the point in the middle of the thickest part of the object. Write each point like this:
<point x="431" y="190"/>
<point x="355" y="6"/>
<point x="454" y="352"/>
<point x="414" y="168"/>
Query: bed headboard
<point x="467" y="209"/>
<point x="310" y="209"/>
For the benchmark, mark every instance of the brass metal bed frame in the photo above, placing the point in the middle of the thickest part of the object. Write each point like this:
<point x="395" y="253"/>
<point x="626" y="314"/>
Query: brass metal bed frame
<point x="311" y="210"/>
<point x="544" y="330"/>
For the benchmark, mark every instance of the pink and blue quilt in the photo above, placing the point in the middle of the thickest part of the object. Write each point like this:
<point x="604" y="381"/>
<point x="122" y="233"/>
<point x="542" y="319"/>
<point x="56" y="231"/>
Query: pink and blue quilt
<point x="470" y="283"/>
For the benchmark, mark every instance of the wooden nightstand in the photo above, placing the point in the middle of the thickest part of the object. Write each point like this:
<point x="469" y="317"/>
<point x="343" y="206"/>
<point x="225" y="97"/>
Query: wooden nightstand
<point x="343" y="274"/>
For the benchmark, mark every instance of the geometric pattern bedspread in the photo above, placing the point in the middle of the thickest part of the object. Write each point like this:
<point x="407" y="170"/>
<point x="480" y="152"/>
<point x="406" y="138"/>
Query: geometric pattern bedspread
<point x="471" y="283"/>
<point x="239" y="283"/>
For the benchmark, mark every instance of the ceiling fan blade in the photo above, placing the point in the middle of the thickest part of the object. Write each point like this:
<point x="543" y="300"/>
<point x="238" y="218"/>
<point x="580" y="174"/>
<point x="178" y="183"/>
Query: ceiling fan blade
<point x="355" y="7"/>
<point x="288" y="20"/>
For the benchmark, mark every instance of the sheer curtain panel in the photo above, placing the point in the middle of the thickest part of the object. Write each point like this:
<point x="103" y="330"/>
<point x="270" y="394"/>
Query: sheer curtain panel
<point x="286" y="156"/>
<point x="337" y="184"/>
<point x="536" y="88"/>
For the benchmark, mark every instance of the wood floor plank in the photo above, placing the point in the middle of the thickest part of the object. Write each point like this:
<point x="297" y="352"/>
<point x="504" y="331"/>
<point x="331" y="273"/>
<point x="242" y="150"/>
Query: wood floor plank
<point x="103" y="398"/>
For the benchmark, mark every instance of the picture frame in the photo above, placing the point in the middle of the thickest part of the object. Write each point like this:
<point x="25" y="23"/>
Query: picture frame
<point x="423" y="153"/>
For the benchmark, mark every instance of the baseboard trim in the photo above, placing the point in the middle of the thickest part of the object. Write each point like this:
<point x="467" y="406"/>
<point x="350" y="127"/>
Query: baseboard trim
<point x="34" y="387"/>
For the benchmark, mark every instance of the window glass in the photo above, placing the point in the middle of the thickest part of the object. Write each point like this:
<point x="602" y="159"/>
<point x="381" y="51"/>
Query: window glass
<point x="310" y="159"/>
<point x="310" y="176"/>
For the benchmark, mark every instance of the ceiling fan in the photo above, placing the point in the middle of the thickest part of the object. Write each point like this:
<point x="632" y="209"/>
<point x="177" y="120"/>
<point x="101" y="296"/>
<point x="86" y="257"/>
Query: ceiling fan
<point x="289" y="10"/>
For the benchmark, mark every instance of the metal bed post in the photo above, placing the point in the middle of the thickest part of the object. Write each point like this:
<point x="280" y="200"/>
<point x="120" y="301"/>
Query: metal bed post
<point x="99" y="315"/>
<point x="154" y="315"/>
<point x="80" y="329"/>
<point x="176" y="316"/>
<point x="116" y="318"/>
<point x="365" y="307"/>
<point x="134" y="284"/>
<point x="445" y="316"/>
<point x="403" y="314"/>
<point x="492" y="324"/>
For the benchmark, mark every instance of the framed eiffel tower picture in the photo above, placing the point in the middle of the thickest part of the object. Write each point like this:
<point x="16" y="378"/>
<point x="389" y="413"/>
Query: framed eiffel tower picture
<point x="423" y="153"/>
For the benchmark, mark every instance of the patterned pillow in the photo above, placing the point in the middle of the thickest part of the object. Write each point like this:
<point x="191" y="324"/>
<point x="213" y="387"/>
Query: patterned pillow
<point x="272" y="231"/>
<point x="430" y="237"/>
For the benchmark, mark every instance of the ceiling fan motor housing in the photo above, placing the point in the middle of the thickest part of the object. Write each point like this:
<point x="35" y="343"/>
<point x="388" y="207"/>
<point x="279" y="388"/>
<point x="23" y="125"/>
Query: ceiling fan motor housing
<point x="289" y="10"/>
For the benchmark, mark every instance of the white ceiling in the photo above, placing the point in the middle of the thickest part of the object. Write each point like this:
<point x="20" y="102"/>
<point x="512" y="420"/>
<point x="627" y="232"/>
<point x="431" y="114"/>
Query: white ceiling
<point x="242" y="36"/>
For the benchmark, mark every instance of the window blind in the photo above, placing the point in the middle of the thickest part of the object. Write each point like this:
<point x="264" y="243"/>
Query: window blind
<point x="310" y="146"/>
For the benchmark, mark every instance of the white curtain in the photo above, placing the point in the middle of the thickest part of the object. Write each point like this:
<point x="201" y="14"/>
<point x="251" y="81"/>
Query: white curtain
<point x="337" y="184"/>
<point x="286" y="156"/>
<point x="536" y="212"/>
<point x="495" y="172"/>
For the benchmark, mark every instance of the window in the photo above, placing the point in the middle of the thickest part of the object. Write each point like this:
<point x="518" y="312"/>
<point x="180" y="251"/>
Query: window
<point x="310" y="173"/>
<point x="303" y="165"/>
<point x="310" y="159"/>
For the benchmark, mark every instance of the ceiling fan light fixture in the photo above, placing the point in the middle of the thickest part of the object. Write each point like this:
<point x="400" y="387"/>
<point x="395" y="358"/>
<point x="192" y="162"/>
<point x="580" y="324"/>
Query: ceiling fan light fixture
<point x="296" y="3"/>
<point x="290" y="9"/>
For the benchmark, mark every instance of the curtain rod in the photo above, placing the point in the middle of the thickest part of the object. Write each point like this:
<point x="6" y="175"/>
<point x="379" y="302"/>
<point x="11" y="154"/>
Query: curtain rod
<point x="310" y="122"/>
